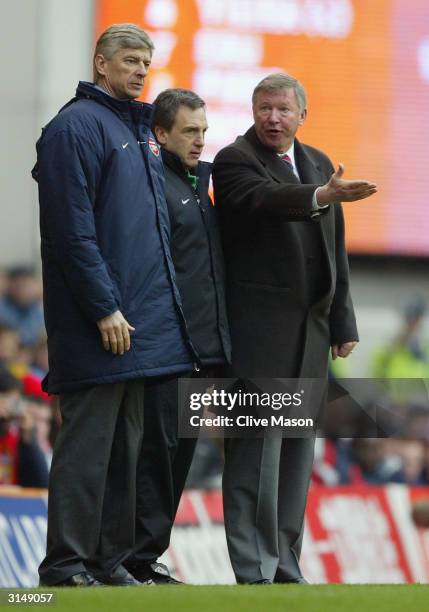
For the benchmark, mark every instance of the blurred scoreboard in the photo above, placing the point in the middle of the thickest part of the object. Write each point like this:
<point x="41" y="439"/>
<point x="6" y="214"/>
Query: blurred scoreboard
<point x="364" y="64"/>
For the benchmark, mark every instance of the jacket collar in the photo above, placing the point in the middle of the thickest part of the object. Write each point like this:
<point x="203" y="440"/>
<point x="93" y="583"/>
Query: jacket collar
<point x="139" y="112"/>
<point x="172" y="161"/>
<point x="307" y="167"/>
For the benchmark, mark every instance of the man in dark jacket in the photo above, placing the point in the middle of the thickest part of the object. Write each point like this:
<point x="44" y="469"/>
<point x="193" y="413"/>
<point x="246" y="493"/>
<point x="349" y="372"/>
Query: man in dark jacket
<point x="180" y="124"/>
<point x="107" y="275"/>
<point x="288" y="303"/>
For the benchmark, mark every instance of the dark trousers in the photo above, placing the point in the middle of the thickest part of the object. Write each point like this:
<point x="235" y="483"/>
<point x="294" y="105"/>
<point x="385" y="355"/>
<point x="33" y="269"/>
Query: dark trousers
<point x="87" y="491"/>
<point x="265" y="486"/>
<point x="162" y="470"/>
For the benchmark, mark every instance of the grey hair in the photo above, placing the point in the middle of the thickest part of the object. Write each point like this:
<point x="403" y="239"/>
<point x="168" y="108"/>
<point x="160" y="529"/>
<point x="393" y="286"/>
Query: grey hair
<point x="168" y="102"/>
<point x="278" y="81"/>
<point x="121" y="36"/>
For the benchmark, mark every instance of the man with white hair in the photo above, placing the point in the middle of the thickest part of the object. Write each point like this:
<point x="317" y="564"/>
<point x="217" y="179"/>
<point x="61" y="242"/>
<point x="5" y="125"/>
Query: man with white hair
<point x="288" y="300"/>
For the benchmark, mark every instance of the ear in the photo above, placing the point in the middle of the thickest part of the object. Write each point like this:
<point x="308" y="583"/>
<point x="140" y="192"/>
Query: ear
<point x="100" y="64"/>
<point x="161" y="134"/>
<point x="302" y="116"/>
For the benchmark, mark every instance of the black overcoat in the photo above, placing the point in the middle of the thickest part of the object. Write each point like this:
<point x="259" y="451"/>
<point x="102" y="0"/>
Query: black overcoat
<point x="287" y="271"/>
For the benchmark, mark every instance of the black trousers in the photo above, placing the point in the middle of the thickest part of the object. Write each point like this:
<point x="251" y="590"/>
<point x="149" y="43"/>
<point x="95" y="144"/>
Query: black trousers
<point x="92" y="499"/>
<point x="163" y="467"/>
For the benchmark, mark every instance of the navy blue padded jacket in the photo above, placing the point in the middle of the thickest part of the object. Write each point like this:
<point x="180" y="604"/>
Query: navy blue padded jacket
<point x="105" y="244"/>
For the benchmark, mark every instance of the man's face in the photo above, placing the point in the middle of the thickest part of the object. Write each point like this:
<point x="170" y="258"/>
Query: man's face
<point x="8" y="401"/>
<point x="186" y="137"/>
<point x="123" y="75"/>
<point x="277" y="118"/>
<point x="25" y="289"/>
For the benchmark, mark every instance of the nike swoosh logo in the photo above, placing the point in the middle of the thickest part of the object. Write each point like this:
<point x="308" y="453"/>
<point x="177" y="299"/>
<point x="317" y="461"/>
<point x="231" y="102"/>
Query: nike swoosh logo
<point x="124" y="146"/>
<point x="185" y="201"/>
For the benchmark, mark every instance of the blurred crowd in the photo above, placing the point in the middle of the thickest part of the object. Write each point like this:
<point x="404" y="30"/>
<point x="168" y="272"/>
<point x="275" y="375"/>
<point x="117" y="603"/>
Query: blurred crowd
<point x="383" y="440"/>
<point x="28" y="421"/>
<point x="387" y="438"/>
<point x="29" y="418"/>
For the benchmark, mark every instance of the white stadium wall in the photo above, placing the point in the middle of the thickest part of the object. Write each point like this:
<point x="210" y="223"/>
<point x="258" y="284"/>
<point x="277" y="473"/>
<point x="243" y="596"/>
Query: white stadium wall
<point x="45" y="48"/>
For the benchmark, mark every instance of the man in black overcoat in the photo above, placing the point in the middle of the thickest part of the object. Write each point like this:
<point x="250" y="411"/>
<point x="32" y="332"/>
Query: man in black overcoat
<point x="288" y="304"/>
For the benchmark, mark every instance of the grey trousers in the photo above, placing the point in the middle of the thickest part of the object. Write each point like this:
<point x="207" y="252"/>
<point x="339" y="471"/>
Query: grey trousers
<point x="265" y="486"/>
<point x="87" y="491"/>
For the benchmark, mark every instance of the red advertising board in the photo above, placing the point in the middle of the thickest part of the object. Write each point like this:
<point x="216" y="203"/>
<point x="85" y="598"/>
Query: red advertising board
<point x="356" y="534"/>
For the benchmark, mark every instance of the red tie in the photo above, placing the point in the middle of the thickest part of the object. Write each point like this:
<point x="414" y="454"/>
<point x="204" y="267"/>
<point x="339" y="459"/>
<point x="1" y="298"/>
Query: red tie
<point x="287" y="160"/>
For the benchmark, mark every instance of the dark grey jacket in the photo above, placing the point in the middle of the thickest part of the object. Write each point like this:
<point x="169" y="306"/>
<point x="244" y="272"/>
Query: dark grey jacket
<point x="287" y="274"/>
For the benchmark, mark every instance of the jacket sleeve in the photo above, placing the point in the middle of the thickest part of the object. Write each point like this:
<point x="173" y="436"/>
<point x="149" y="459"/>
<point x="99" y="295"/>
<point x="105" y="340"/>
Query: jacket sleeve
<point x="342" y="319"/>
<point x="69" y="169"/>
<point x="241" y="187"/>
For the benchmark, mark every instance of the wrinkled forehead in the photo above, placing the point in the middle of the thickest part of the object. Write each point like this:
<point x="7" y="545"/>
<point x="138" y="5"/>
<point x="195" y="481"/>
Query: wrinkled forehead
<point x="142" y="53"/>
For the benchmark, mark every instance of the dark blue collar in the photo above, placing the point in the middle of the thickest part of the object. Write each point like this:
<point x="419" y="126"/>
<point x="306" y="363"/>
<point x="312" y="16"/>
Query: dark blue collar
<point x="140" y="112"/>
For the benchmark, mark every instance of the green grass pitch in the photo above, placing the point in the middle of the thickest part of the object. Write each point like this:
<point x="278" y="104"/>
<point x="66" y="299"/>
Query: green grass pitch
<point x="258" y="598"/>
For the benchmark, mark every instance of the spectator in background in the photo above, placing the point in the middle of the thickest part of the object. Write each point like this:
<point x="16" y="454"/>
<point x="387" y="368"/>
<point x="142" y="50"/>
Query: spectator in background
<point x="376" y="461"/>
<point x="41" y="413"/>
<point x="21" y="305"/>
<point x="406" y="355"/>
<point x="9" y="344"/>
<point x="22" y="461"/>
<point x="377" y="464"/>
<point x="13" y="355"/>
<point x="39" y="359"/>
<point x="412" y="457"/>
<point x="23" y="362"/>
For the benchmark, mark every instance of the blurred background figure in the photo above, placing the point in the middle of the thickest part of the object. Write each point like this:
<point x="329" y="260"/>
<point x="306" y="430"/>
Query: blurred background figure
<point x="406" y="355"/>
<point x="39" y="358"/>
<point x="22" y="460"/>
<point x="9" y="344"/>
<point x="21" y="304"/>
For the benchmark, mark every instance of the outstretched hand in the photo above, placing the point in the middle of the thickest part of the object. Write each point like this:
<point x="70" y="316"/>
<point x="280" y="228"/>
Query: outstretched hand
<point x="338" y="189"/>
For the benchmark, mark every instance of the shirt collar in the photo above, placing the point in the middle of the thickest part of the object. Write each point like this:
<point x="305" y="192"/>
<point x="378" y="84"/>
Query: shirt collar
<point x="291" y="153"/>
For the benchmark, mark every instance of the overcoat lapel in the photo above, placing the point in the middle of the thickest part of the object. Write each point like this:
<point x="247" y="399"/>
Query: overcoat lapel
<point x="308" y="169"/>
<point x="268" y="158"/>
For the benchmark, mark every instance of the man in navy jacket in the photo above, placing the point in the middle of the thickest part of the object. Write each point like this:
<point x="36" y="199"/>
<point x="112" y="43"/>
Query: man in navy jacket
<point x="112" y="309"/>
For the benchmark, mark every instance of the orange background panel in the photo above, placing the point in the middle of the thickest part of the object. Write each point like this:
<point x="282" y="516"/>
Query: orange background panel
<point x="349" y="81"/>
